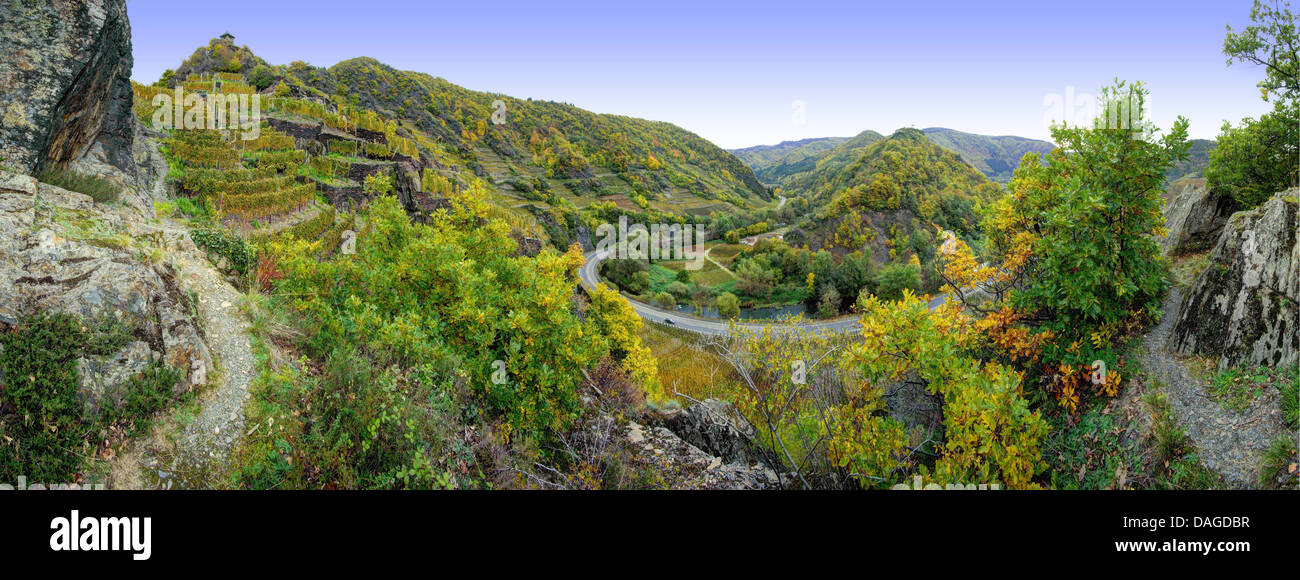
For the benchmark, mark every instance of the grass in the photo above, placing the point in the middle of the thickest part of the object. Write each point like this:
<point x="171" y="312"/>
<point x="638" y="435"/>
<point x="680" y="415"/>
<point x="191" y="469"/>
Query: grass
<point x="709" y="275"/>
<point x="1237" y="387"/>
<point x="99" y="189"/>
<point x="726" y="253"/>
<point x="1281" y="457"/>
<point x="192" y="209"/>
<point x="685" y="367"/>
<point x="1177" y="465"/>
<point x="49" y="434"/>
<point x="1091" y="454"/>
<point x="1186" y="268"/>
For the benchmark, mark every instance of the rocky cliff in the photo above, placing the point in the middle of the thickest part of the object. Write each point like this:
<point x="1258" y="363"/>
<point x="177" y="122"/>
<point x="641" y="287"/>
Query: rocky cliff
<point x="65" y="89"/>
<point x="1194" y="217"/>
<point x="66" y="100"/>
<point x="1245" y="307"/>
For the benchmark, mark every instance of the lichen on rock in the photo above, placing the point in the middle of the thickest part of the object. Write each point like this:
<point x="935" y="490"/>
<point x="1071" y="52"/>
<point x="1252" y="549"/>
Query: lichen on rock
<point x="1245" y="307"/>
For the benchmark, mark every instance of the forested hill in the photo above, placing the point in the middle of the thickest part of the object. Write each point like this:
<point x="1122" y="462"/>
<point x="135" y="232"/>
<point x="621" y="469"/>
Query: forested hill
<point x="529" y="151"/>
<point x="892" y="196"/>
<point x="772" y="162"/>
<point x="996" y="157"/>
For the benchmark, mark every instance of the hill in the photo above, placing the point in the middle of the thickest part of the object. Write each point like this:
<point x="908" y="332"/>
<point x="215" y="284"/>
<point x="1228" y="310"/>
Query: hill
<point x="1198" y="157"/>
<point x="891" y="199"/>
<point x="772" y="162"/>
<point x="536" y="157"/>
<point x="996" y="157"/>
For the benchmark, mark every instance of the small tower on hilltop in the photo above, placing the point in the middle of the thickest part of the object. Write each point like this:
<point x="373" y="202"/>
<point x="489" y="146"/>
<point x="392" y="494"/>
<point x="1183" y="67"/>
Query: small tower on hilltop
<point x="228" y="37"/>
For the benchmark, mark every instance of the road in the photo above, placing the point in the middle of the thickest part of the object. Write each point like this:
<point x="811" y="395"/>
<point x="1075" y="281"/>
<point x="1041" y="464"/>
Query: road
<point x="590" y="276"/>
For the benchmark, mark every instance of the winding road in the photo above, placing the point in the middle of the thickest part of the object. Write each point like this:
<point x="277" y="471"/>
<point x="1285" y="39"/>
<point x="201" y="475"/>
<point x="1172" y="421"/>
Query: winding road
<point x="590" y="276"/>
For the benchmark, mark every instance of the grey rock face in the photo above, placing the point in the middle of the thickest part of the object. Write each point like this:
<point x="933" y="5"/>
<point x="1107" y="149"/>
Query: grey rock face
<point x="64" y="82"/>
<point x="1245" y="307"/>
<point x="1195" y="219"/>
<point x="716" y="427"/>
<point x="61" y="252"/>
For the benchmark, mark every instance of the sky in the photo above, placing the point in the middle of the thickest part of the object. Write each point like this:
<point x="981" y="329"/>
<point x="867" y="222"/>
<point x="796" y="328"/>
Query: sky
<point x="755" y="72"/>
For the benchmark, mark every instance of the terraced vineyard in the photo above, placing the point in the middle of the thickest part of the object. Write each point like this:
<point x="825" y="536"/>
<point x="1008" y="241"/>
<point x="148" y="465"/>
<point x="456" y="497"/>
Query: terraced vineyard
<point x="243" y="193"/>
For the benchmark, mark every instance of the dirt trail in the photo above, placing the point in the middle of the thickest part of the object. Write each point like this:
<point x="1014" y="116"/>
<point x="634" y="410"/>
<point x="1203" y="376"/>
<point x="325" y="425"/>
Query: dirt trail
<point x="717" y="263"/>
<point x="193" y="451"/>
<point x="1229" y="442"/>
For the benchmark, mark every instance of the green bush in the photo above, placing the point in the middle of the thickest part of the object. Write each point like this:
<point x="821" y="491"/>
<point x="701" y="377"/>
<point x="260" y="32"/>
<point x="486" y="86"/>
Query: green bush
<point x="895" y="278"/>
<point x="44" y="434"/>
<point x="665" y="300"/>
<point x="44" y="431"/>
<point x="728" y="305"/>
<point x="239" y="255"/>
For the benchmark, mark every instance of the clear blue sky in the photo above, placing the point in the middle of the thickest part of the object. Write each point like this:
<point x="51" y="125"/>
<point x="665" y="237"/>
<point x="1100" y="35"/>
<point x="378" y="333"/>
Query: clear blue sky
<point x="732" y="71"/>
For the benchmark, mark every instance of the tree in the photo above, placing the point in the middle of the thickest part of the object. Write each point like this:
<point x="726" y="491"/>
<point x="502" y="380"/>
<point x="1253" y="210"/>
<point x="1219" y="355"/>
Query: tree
<point x="1075" y="238"/>
<point x="617" y="320"/>
<point x="990" y="432"/>
<point x="1258" y="158"/>
<point x="728" y="305"/>
<point x="895" y="278"/>
<point x="684" y="276"/>
<point x="166" y="80"/>
<point x="640" y="282"/>
<point x="665" y="300"/>
<point x="678" y="290"/>
<point x="261" y="77"/>
<point x="855" y="272"/>
<point x="630" y="275"/>
<point x="1091" y="215"/>
<point x="1271" y="43"/>
<point x="830" y="301"/>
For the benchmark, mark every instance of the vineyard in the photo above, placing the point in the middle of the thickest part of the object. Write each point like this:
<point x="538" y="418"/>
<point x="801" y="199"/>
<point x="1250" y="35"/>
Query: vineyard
<point x="210" y="169"/>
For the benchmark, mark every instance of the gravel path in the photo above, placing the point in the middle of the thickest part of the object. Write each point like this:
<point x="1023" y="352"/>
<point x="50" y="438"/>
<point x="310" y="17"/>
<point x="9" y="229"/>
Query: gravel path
<point x="203" y="446"/>
<point x="1229" y="442"/>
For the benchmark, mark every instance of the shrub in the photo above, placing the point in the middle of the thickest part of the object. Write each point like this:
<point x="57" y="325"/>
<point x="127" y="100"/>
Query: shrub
<point x="239" y="255"/>
<point x="410" y="294"/>
<point x="44" y="434"/>
<point x="665" y="300"/>
<point x="1257" y="159"/>
<point x="895" y="278"/>
<point x="728" y="305"/>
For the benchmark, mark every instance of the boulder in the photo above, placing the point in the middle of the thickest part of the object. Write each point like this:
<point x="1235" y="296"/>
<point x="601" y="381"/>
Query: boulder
<point x="65" y="70"/>
<point x="1194" y="218"/>
<point x="1244" y="308"/>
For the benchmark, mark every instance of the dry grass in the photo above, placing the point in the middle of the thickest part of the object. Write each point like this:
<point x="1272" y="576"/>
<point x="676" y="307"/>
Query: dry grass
<point x="686" y="367"/>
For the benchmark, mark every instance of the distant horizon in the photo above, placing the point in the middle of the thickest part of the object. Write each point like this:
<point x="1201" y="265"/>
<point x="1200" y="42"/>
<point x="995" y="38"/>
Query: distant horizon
<point x="766" y="74"/>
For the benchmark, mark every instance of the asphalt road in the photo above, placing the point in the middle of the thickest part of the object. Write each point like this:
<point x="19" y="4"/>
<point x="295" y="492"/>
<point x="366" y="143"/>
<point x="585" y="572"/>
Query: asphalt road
<point x="590" y="276"/>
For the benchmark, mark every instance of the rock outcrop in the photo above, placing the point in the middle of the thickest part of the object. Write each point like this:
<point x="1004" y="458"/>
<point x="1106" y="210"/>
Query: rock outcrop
<point x="716" y="427"/>
<point x="1194" y="217"/>
<point x="1245" y="307"/>
<point x="65" y="83"/>
<point x="61" y="252"/>
<point x="680" y="465"/>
